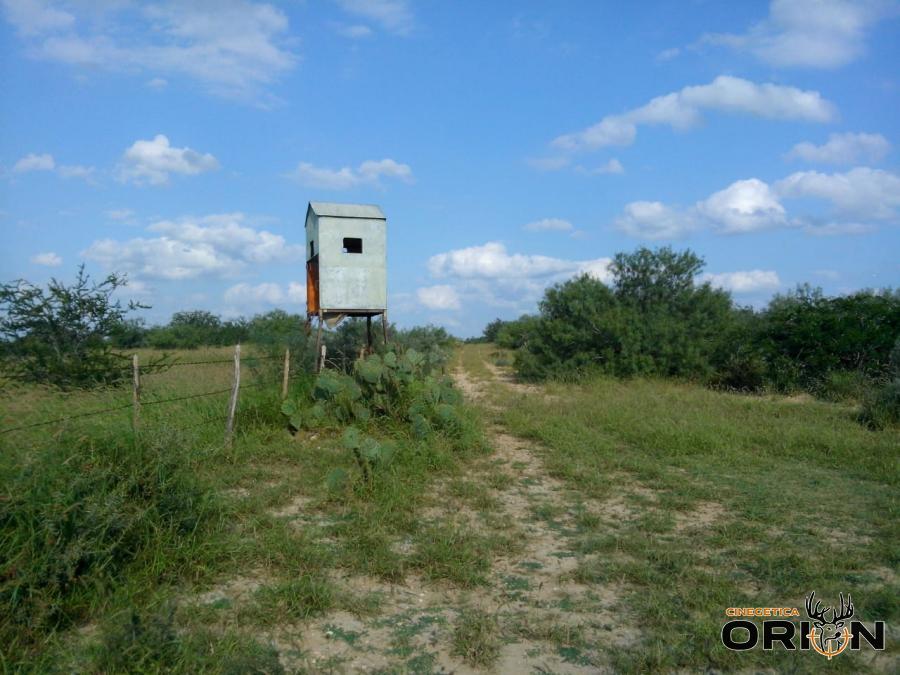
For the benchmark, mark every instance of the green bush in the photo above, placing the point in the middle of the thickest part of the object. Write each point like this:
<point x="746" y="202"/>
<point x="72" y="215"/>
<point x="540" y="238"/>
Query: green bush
<point x="422" y="338"/>
<point x="60" y="335"/>
<point x="654" y="319"/>
<point x="881" y="408"/>
<point x="844" y="385"/>
<point x="345" y="343"/>
<point x="806" y="337"/>
<point x="881" y="405"/>
<point x="743" y="370"/>
<point x="76" y="516"/>
<point x="516" y="334"/>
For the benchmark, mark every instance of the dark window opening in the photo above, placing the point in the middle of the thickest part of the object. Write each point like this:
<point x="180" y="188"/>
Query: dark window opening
<point x="352" y="245"/>
<point x="312" y="250"/>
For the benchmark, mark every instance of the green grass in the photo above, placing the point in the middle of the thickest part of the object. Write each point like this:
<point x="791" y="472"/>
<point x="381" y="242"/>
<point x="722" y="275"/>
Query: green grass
<point x="805" y="499"/>
<point x="98" y="524"/>
<point x="119" y="552"/>
<point x="449" y="552"/>
<point x="295" y="600"/>
<point x="140" y="642"/>
<point x="476" y="638"/>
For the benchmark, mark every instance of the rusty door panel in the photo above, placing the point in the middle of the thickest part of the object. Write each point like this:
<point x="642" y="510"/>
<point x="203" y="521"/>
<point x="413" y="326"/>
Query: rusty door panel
<point x="312" y="285"/>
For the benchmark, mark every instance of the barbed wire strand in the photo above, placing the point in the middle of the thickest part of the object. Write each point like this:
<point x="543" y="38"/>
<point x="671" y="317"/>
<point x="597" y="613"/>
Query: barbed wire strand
<point x="185" y="398"/>
<point x="124" y="407"/>
<point x="65" y="419"/>
<point x="246" y="360"/>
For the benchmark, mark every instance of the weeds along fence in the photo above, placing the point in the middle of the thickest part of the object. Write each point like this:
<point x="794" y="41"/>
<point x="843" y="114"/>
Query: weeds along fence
<point x="212" y="387"/>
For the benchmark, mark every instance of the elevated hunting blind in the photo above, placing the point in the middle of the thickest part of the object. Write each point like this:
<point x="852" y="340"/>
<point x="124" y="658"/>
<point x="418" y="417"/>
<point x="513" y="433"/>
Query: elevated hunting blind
<point x="346" y="265"/>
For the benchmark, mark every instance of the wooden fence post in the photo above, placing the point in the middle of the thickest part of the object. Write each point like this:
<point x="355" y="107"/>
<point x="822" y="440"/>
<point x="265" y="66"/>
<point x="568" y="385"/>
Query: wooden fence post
<point x="235" y="388"/>
<point x="135" y="394"/>
<point x="287" y="373"/>
<point x="319" y="344"/>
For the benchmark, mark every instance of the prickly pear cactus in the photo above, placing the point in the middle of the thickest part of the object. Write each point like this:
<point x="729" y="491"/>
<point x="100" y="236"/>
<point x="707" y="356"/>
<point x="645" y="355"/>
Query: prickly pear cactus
<point x="407" y="387"/>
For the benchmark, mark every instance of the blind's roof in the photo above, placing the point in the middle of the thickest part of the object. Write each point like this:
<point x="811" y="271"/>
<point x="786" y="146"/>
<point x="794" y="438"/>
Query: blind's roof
<point x="346" y="210"/>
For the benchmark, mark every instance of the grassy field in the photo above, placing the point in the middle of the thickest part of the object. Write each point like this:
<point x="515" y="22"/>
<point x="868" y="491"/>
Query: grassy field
<point x="688" y="501"/>
<point x="600" y="527"/>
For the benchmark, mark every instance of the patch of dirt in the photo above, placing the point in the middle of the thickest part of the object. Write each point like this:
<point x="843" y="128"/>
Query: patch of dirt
<point x="237" y="493"/>
<point x="886" y="575"/>
<point x="701" y="517"/>
<point x="507" y="378"/>
<point x="472" y="389"/>
<point x="614" y="510"/>
<point x="293" y="508"/>
<point x="238" y="589"/>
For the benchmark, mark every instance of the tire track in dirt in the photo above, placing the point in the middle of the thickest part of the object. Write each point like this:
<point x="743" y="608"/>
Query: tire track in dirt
<point x="544" y="512"/>
<point x="547" y="621"/>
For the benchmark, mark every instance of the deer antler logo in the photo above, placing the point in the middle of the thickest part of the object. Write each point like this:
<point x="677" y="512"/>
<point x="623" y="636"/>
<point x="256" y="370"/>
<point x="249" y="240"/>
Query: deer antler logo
<point x="829" y="637"/>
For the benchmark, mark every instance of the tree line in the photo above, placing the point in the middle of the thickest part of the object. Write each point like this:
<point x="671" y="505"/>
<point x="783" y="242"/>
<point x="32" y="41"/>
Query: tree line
<point x="656" y="318"/>
<point x="80" y="334"/>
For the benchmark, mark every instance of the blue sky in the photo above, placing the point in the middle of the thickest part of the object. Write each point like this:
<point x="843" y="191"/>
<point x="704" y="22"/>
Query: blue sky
<point x="511" y="145"/>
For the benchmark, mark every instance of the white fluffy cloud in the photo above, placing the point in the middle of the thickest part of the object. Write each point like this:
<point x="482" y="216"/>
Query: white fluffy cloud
<point x="244" y="295"/>
<point x="846" y="148"/>
<point x="683" y="109"/>
<point x="491" y="261"/>
<point x="612" y="166"/>
<point x="215" y="245"/>
<point x="152" y="161"/>
<point x="553" y="224"/>
<point x="77" y="171"/>
<point x="748" y="281"/>
<point x="808" y="33"/>
<point x="440" y="296"/>
<point x="46" y="162"/>
<point x="34" y="17"/>
<point x="749" y="205"/>
<point x="490" y="275"/>
<point x="655" y="220"/>
<point x="860" y="193"/>
<point x="744" y="206"/>
<point x="369" y="172"/>
<point x="232" y="47"/>
<point x="394" y="16"/>
<point x="48" y="259"/>
<point x="33" y="162"/>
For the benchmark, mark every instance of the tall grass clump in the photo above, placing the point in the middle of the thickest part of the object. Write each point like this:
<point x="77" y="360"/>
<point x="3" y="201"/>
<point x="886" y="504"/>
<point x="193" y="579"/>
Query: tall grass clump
<point x="83" y="516"/>
<point x="881" y="405"/>
<point x="143" y="641"/>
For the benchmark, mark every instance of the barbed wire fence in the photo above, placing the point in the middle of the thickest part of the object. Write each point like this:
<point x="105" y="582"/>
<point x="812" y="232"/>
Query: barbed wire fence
<point x="139" y="400"/>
